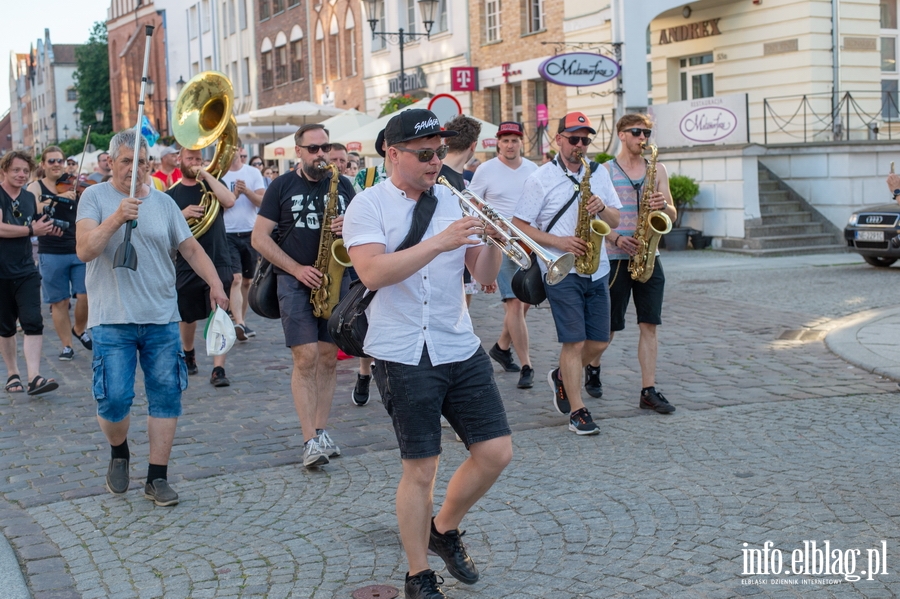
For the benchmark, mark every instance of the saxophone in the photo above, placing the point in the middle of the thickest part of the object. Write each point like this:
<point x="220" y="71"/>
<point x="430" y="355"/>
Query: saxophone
<point x="333" y="257"/>
<point x="591" y="230"/>
<point x="652" y="224"/>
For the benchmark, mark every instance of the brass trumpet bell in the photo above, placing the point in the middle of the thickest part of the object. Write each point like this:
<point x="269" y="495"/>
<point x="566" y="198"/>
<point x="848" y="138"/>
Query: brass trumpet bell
<point x="203" y="110"/>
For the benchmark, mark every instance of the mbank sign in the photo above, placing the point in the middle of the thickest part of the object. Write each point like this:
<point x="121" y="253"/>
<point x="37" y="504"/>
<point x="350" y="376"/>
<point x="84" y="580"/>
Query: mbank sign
<point x="579" y="69"/>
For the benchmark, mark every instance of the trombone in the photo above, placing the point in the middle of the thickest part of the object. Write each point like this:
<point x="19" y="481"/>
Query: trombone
<point x="513" y="239"/>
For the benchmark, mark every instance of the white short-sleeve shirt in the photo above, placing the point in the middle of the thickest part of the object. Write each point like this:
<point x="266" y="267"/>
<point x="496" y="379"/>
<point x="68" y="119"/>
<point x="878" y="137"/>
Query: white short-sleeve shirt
<point x="501" y="186"/>
<point x="548" y="189"/>
<point x="429" y="307"/>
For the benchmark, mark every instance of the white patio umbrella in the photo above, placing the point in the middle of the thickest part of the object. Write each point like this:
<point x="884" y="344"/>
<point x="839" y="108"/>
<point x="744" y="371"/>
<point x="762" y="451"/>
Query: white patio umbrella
<point x="366" y="134"/>
<point x="90" y="160"/>
<point x="346" y="122"/>
<point x="295" y="113"/>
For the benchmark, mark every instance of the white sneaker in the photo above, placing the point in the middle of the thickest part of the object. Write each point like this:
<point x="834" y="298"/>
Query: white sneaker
<point x="328" y="446"/>
<point x="313" y="454"/>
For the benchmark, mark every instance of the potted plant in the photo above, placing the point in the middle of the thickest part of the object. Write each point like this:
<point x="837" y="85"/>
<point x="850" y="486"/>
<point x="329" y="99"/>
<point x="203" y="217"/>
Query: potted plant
<point x="684" y="193"/>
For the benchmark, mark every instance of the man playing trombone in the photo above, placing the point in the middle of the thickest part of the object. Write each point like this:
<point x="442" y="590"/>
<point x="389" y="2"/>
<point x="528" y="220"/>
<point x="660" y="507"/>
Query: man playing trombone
<point x="580" y="303"/>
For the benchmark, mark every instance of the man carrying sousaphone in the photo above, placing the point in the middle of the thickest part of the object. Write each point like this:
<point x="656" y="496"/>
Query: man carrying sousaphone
<point x="192" y="289"/>
<point x="548" y="213"/>
<point x="295" y="203"/>
<point x="628" y="171"/>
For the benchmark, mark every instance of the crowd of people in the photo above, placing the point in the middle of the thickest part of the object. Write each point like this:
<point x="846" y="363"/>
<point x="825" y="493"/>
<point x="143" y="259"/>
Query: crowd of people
<point x="407" y="241"/>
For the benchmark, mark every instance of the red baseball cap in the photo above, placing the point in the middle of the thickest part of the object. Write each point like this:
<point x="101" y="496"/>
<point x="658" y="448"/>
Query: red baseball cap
<point x="510" y="128"/>
<point x="574" y="121"/>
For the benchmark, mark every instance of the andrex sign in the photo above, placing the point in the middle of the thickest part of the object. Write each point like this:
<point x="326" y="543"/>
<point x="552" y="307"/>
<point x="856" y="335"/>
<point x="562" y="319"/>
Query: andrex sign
<point x="693" y="31"/>
<point x="717" y="120"/>
<point x="579" y="69"/>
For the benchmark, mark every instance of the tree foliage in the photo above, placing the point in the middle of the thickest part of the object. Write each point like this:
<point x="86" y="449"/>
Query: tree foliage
<point x="92" y="80"/>
<point x="99" y="141"/>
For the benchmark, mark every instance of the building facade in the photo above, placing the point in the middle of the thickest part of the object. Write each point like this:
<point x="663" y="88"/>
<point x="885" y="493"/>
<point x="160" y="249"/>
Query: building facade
<point x="426" y="62"/>
<point x="283" y="51"/>
<point x="126" y="37"/>
<point x="20" y="101"/>
<point x="509" y="41"/>
<point x="336" y="59"/>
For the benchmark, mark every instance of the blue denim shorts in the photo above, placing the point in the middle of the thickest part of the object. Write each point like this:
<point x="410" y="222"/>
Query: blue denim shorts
<point x="62" y="276"/>
<point x="580" y="308"/>
<point x="116" y="350"/>
<point x="508" y="269"/>
<point x="464" y="392"/>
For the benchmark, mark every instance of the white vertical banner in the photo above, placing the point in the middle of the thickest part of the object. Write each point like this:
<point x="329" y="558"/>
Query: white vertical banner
<point x="716" y="120"/>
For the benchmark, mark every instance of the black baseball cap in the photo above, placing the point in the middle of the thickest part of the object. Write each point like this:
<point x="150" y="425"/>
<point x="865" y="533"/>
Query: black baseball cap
<point x="379" y="143"/>
<point x="413" y="124"/>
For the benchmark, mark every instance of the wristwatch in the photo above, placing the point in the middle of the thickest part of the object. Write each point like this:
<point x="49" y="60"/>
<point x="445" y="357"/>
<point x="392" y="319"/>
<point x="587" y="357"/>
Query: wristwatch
<point x="896" y="193"/>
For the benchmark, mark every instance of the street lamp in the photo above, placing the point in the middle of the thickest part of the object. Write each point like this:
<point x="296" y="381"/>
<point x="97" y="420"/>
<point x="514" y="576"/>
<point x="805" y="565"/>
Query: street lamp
<point x="180" y="83"/>
<point x="77" y="113"/>
<point x="66" y="131"/>
<point x="151" y="87"/>
<point x="399" y="37"/>
<point x="98" y="114"/>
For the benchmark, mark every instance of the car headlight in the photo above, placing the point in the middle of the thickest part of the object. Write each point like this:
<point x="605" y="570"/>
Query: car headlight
<point x="853" y="219"/>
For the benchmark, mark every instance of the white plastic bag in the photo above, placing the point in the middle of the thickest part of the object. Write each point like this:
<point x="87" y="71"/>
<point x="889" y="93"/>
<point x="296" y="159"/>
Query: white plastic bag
<point x="219" y="333"/>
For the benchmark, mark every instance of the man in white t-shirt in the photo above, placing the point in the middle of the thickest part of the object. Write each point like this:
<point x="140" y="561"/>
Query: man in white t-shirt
<point x="499" y="182"/>
<point x="246" y="183"/>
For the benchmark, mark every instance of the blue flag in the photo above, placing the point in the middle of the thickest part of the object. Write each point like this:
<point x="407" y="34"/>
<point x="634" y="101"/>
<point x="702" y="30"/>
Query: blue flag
<point x="149" y="132"/>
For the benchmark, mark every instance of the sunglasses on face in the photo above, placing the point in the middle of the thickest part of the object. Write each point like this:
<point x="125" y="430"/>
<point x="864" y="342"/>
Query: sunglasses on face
<point x="55" y="160"/>
<point x="315" y="148"/>
<point x="243" y="157"/>
<point x="256" y="164"/>
<point x="637" y="131"/>
<point x="575" y="139"/>
<point x="427" y="154"/>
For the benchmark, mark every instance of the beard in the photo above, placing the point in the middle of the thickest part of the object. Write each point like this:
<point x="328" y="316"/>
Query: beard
<point x="313" y="170"/>
<point x="190" y="172"/>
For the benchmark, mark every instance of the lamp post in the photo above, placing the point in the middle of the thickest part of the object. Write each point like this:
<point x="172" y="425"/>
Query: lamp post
<point x="77" y="113"/>
<point x="65" y="132"/>
<point x="98" y="114"/>
<point x="399" y="37"/>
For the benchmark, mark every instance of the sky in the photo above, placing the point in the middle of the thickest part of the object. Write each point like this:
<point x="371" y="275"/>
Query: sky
<point x="23" y="23"/>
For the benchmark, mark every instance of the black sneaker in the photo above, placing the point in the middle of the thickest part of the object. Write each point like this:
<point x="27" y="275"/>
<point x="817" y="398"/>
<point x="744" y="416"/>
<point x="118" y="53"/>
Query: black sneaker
<point x="191" y="361"/>
<point x="249" y="332"/>
<point x="449" y="547"/>
<point x="160" y="493"/>
<point x="240" y="332"/>
<point x="581" y="423"/>
<point x="117" y="476"/>
<point x="651" y="399"/>
<point x="504" y="358"/>
<point x="592" y="383"/>
<point x="560" y="399"/>
<point x="67" y="354"/>
<point x="424" y="585"/>
<point x="84" y="338"/>
<point x="526" y="377"/>
<point x="218" y="378"/>
<point x="361" y="389"/>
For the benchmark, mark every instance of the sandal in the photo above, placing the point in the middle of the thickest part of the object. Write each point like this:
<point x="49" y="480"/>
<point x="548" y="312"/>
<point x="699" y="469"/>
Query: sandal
<point x="41" y="385"/>
<point x="13" y="382"/>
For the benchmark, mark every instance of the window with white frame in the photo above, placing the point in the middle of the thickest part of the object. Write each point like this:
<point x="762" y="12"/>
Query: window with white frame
<point x="193" y="22"/>
<point x="205" y="15"/>
<point x="889" y="73"/>
<point x="350" y="34"/>
<point x="334" y="49"/>
<point x="491" y="21"/>
<point x="242" y="14"/>
<point x="534" y="16"/>
<point x="378" y="42"/>
<point x="440" y="18"/>
<point x="411" y="16"/>
<point x="696" y="77"/>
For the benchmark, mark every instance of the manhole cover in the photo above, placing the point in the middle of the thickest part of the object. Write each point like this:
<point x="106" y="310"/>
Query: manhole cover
<point x="376" y="591"/>
<point x="802" y="335"/>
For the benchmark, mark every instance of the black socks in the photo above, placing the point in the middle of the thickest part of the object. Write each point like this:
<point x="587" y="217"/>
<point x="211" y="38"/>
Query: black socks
<point x="120" y="451"/>
<point x="155" y="471"/>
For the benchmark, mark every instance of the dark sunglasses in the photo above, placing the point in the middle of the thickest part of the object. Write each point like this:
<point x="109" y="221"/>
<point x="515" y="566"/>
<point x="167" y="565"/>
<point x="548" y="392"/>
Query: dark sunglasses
<point x="427" y="154"/>
<point x="55" y="160"/>
<point x="574" y="139"/>
<point x="15" y="207"/>
<point x="256" y="164"/>
<point x="637" y="131"/>
<point x="244" y="156"/>
<point x="314" y="148"/>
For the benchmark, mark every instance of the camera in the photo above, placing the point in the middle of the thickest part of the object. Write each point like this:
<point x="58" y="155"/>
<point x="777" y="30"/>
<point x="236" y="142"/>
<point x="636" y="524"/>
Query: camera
<point x="50" y="211"/>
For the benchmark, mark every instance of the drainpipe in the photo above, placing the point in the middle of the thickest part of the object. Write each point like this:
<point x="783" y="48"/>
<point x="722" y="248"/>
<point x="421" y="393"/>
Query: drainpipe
<point x="836" y="69"/>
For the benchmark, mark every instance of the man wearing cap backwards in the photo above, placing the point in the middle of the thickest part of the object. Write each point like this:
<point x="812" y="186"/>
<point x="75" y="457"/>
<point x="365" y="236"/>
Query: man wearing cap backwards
<point x="500" y="181"/>
<point x="295" y="203"/>
<point x="579" y="303"/>
<point x="168" y="172"/>
<point x="429" y="362"/>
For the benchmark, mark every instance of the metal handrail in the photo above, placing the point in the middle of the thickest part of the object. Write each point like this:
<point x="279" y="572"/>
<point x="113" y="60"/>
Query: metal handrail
<point x="837" y="119"/>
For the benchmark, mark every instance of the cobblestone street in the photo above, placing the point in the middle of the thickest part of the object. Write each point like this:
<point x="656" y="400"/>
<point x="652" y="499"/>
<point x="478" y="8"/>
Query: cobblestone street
<point x="775" y="438"/>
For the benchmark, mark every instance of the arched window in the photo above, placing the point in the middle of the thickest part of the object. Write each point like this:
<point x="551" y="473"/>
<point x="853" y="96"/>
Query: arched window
<point x="334" y="49"/>
<point x="320" y="52"/>
<point x="350" y="35"/>
<point x="296" y="53"/>
<point x="281" y="60"/>
<point x="266" y="62"/>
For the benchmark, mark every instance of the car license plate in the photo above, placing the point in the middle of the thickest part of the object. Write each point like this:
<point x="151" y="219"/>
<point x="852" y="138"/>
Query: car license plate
<point x="870" y="235"/>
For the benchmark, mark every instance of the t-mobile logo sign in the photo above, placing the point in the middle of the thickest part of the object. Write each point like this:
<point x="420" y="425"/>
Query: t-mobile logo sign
<point x="464" y="79"/>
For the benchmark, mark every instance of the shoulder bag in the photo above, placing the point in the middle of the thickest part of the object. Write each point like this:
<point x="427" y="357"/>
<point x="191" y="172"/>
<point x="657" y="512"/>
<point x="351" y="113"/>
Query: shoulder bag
<point x="263" y="294"/>
<point x="348" y="323"/>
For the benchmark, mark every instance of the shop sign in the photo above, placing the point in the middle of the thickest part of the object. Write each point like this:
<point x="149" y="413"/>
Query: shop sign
<point x="717" y="120"/>
<point x="354" y="146"/>
<point x="579" y="69"/>
<point x="414" y="81"/>
<point x="543" y="115"/>
<point x="464" y="79"/>
<point x="694" y="31"/>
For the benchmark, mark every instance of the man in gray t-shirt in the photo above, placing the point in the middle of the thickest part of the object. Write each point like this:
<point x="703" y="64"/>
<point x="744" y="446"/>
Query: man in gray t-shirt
<point x="132" y="311"/>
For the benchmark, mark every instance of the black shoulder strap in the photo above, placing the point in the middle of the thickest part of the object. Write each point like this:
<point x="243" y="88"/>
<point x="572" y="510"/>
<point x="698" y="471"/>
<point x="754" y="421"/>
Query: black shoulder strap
<point x="577" y="183"/>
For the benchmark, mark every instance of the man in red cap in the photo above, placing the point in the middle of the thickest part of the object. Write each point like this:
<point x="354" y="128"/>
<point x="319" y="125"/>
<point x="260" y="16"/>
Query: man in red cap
<point x="500" y="181"/>
<point x="548" y="213"/>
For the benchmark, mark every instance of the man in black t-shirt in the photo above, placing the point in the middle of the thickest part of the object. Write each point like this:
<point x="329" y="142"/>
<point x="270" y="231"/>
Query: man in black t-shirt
<point x="193" y="292"/>
<point x="295" y="202"/>
<point x="20" y="283"/>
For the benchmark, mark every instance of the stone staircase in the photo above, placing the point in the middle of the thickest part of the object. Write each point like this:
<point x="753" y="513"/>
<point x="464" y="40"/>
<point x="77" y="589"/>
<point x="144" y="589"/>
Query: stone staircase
<point x="789" y="225"/>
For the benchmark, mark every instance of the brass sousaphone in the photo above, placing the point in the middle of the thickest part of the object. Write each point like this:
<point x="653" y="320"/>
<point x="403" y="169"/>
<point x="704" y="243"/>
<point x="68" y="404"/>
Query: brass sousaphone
<point x="202" y="117"/>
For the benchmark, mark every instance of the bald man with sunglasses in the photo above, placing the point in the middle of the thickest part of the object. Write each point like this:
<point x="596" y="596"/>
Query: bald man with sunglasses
<point x="295" y="203"/>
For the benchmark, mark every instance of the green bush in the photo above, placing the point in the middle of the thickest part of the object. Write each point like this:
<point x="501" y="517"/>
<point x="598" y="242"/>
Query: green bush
<point x="395" y="103"/>
<point x="602" y="157"/>
<point x="684" y="191"/>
